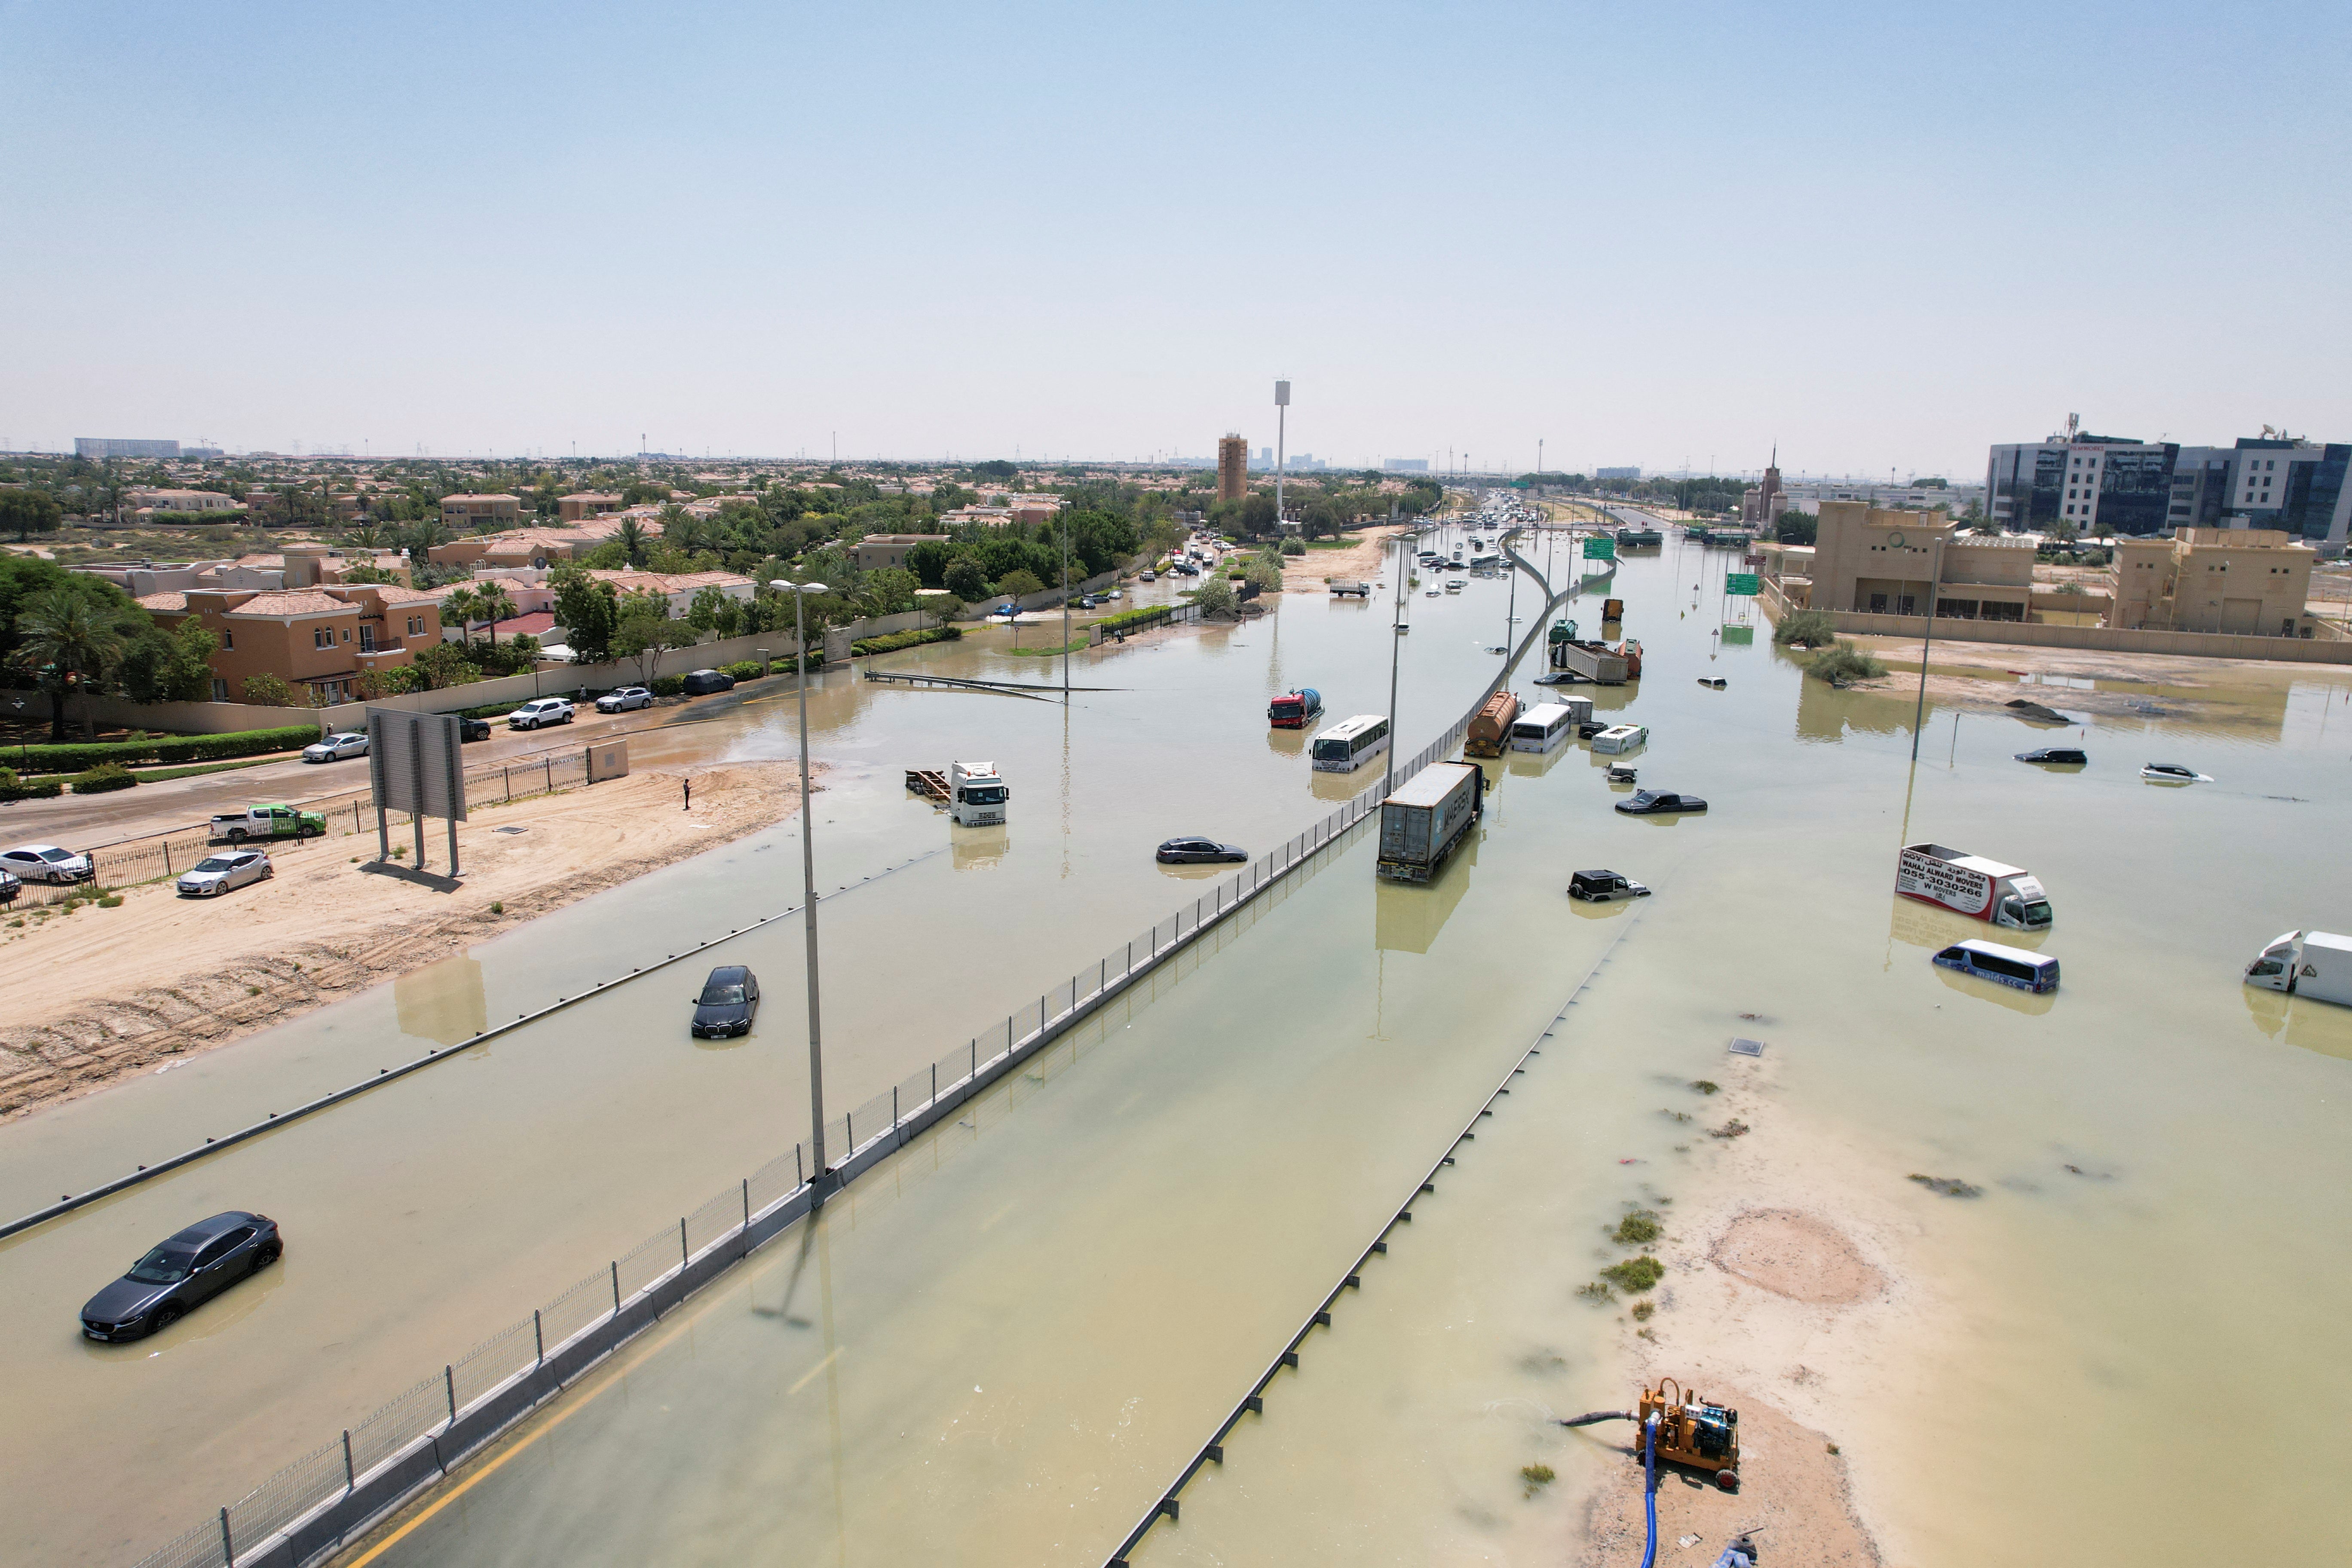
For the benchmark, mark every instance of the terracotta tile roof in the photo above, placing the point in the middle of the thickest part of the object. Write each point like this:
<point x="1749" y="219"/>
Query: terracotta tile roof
<point x="297" y="602"/>
<point x="162" y="601"/>
<point x="535" y="625"/>
<point x="393" y="594"/>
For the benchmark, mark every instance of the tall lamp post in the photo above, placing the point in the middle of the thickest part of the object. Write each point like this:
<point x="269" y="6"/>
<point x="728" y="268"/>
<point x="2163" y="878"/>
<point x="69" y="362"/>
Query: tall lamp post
<point x="1396" y="652"/>
<point x="800" y="593"/>
<point x="1926" y="641"/>
<point x="1281" y="459"/>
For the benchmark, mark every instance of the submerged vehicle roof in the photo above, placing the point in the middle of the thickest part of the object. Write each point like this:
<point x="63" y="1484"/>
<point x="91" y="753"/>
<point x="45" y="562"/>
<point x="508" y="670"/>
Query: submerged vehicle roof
<point x="1965" y="860"/>
<point x="1431" y="785"/>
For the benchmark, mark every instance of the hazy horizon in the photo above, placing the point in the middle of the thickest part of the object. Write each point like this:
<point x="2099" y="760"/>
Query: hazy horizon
<point x="1879" y="241"/>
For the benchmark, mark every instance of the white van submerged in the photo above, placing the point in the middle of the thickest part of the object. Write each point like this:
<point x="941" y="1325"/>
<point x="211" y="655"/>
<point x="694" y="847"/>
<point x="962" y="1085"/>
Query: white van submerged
<point x="1971" y="885"/>
<point x="1620" y="738"/>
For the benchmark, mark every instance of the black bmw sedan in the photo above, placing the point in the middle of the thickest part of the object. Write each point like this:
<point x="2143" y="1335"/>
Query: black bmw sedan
<point x="730" y="1001"/>
<point x="186" y="1271"/>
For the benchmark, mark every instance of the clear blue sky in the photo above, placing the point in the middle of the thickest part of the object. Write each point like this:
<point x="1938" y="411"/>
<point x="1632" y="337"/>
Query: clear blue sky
<point x="1881" y="236"/>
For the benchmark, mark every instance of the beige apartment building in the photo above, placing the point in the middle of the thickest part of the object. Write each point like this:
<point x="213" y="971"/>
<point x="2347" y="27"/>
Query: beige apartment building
<point x="2248" y="580"/>
<point x="323" y="637"/>
<point x="1233" y="468"/>
<point x="480" y="511"/>
<point x="144" y="502"/>
<point x="879" y="549"/>
<point x="1877" y="562"/>
<point x="587" y="503"/>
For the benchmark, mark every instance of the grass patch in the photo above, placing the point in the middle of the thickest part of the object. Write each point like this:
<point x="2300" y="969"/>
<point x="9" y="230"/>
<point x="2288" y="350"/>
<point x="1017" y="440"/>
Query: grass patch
<point x="1842" y="664"/>
<point x="1593" y="1290"/>
<point x="157" y="775"/>
<point x="1638" y="1229"/>
<point x="1537" y="1477"/>
<point x="1635" y="1275"/>
<point x="1734" y="1127"/>
<point x="1805" y="628"/>
<point x="1949" y="1186"/>
<point x="1643" y="1309"/>
<point x="1704" y="1087"/>
<point x="1075" y="646"/>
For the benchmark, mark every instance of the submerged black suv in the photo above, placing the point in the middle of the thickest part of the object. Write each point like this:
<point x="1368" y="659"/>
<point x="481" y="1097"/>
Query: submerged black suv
<point x="186" y="1271"/>
<point x="730" y="1001"/>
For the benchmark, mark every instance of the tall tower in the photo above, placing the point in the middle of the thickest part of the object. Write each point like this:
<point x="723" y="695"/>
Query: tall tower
<point x="1233" y="468"/>
<point x="1772" y="488"/>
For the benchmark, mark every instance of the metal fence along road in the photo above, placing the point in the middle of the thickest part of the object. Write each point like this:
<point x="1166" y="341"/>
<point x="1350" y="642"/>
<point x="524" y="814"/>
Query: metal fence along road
<point x="340" y="1488"/>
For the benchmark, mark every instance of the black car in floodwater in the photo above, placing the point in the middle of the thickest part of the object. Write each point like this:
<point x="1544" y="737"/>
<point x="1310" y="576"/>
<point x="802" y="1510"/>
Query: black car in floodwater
<point x="1197" y="851"/>
<point x="187" y="1270"/>
<point x="1659" y="802"/>
<point x="2063" y="756"/>
<point x="730" y="1001"/>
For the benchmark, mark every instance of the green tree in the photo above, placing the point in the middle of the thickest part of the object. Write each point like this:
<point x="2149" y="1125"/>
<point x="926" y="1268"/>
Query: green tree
<point x="715" y="610"/>
<point x="633" y="540"/>
<point x="463" y="606"/>
<point x="267" y="691"/>
<point x="441" y="664"/>
<point x="1265" y="571"/>
<point x="965" y="578"/>
<point x="889" y="591"/>
<point x="1214" y="594"/>
<point x="29" y="512"/>
<point x="1795" y="527"/>
<point x="644" y="630"/>
<point x="589" y="611"/>
<point x="170" y="667"/>
<point x="1805" y="628"/>
<point x="494" y="603"/>
<point x="71" y="645"/>
<point x="1018" y="584"/>
<point x="1258" y="518"/>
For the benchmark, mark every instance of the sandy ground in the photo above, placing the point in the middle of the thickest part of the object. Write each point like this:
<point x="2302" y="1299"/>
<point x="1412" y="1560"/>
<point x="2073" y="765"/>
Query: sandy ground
<point x="1784" y="1297"/>
<point x="1983" y="677"/>
<point x="94" y="994"/>
<point x="1360" y="561"/>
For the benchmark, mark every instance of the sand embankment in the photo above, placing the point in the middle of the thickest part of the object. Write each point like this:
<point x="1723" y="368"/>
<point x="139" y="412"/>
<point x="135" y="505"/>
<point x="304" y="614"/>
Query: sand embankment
<point x="95" y="993"/>
<point x="1360" y="561"/>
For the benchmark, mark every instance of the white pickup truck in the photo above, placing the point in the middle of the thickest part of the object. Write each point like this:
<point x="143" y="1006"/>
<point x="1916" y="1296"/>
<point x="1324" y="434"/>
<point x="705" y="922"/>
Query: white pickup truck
<point x="1971" y="885"/>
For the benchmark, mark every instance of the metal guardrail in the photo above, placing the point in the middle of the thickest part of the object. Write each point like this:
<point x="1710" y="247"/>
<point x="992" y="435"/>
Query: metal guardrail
<point x="341" y="1489"/>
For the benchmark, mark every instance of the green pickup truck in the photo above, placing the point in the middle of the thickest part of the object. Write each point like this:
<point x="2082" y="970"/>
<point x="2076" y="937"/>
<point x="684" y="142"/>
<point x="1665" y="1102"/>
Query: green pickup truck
<point x="267" y="822"/>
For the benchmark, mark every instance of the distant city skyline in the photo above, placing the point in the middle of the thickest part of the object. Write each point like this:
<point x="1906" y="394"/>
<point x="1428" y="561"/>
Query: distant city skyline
<point x="1636" y="238"/>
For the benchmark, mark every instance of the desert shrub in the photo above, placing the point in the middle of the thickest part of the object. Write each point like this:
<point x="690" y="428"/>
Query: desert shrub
<point x="1805" y="628"/>
<point x="1843" y="663"/>
<point x="1635" y="1275"/>
<point x="103" y="778"/>
<point x="1638" y="1229"/>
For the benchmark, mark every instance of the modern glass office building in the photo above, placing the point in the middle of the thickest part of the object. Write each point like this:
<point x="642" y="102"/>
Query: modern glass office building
<point x="2108" y="484"/>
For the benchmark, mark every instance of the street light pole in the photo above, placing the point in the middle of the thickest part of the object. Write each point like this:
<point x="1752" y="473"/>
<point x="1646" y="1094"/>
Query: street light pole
<point x="1926" y="641"/>
<point x="1281" y="458"/>
<point x="817" y="1183"/>
<point x="1396" y="652"/>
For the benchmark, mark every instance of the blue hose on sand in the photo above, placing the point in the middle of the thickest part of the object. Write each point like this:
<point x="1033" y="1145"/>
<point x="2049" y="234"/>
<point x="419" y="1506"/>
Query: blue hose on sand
<point x="1650" y="1490"/>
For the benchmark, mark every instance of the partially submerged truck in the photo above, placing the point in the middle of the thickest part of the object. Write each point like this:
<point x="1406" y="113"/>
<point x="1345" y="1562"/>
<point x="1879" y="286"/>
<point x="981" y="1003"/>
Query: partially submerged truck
<point x="976" y="794"/>
<point x="1592" y="661"/>
<point x="1490" y="727"/>
<point x="1423" y="821"/>
<point x="1342" y="587"/>
<point x="267" y="822"/>
<point x="1971" y="885"/>
<point x="2316" y="964"/>
<point x="1293" y="710"/>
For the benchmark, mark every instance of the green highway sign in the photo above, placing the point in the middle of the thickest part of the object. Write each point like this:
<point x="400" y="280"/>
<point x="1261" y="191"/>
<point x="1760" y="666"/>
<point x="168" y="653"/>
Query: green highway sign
<point x="1741" y="582"/>
<point x="1599" y="548"/>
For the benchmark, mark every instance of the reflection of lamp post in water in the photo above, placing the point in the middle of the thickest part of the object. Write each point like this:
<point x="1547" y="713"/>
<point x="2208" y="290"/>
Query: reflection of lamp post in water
<point x="800" y="593"/>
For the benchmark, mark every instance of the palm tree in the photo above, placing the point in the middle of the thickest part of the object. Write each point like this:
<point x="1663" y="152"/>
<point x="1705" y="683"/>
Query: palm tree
<point x="631" y="536"/>
<point x="493" y="604"/>
<point x="467" y="607"/>
<point x="68" y="639"/>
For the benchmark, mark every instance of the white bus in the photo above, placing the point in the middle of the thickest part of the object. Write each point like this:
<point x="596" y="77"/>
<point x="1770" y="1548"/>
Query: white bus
<point x="1344" y="748"/>
<point x="1542" y="727"/>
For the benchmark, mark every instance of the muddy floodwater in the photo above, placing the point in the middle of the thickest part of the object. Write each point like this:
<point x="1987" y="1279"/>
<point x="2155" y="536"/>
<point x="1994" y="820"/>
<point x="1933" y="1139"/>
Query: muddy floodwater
<point x="1000" y="1348"/>
<point x="1000" y="1351"/>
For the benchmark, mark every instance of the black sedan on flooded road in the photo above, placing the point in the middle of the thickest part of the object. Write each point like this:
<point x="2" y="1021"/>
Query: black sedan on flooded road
<point x="1198" y="851"/>
<point x="729" y="1003"/>
<point x="1655" y="803"/>
<point x="187" y="1270"/>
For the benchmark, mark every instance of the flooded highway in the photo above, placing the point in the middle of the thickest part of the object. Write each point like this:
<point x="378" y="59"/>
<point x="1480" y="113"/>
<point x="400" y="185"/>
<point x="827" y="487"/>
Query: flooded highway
<point x="1003" y="1349"/>
<point x="426" y="1214"/>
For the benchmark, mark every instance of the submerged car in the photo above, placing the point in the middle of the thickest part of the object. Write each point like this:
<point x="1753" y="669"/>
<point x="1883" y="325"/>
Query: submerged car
<point x="216" y="873"/>
<point x="48" y="863"/>
<point x="624" y="700"/>
<point x="2063" y="755"/>
<point x="1602" y="886"/>
<point x="2174" y="772"/>
<point x="1196" y="851"/>
<point x="1657" y="803"/>
<point x="730" y="1001"/>
<point x="330" y="748"/>
<point x="186" y="1271"/>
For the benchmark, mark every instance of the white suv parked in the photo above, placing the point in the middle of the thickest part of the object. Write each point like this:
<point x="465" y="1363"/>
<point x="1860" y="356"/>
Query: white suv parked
<point x="546" y="710"/>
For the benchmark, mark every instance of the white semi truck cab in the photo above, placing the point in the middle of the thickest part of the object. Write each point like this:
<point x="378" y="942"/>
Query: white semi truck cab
<point x="2306" y="964"/>
<point x="976" y="794"/>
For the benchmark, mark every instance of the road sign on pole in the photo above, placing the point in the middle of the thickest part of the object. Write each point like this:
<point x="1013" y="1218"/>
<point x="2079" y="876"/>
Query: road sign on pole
<point x="1743" y="582"/>
<point x="1600" y="547"/>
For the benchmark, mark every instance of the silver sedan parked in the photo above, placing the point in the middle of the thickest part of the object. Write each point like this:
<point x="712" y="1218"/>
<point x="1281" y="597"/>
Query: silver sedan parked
<point x="624" y="700"/>
<point x="328" y="748"/>
<point x="216" y="873"/>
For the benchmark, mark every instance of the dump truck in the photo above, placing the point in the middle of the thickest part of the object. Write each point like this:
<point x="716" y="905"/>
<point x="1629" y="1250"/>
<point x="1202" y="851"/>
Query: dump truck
<point x="1591" y="661"/>
<point x="1423" y="822"/>
<point x="267" y="822"/>
<point x="1971" y="885"/>
<point x="1490" y="727"/>
<point x="1293" y="710"/>
<point x="1341" y="587"/>
<point x="976" y="794"/>
<point x="2316" y="964"/>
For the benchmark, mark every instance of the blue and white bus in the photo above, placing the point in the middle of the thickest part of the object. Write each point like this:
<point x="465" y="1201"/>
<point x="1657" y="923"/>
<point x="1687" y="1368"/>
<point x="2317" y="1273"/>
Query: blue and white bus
<point x="2002" y="965"/>
<point x="1344" y="748"/>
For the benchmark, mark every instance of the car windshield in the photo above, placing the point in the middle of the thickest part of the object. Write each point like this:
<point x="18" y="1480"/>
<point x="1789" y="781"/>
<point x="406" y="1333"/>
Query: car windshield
<point x="57" y="855"/>
<point x="720" y="995"/>
<point x="2037" y="914"/>
<point x="215" y="864"/>
<point x="167" y="1265"/>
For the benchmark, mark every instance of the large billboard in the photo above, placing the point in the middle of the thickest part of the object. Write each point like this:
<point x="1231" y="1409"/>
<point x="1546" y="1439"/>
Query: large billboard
<point x="412" y="762"/>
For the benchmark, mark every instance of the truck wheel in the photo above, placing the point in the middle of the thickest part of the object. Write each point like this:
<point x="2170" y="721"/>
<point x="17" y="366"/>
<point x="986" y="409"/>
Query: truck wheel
<point x="236" y="836"/>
